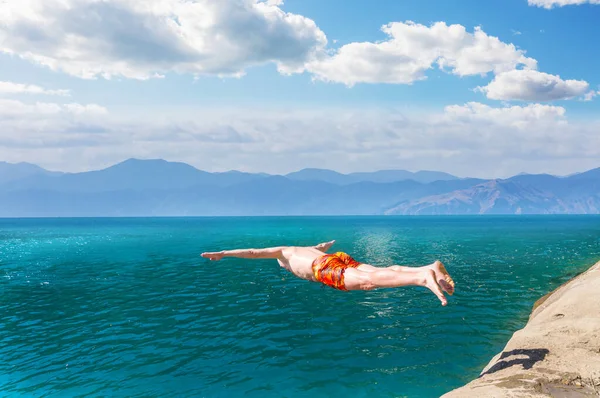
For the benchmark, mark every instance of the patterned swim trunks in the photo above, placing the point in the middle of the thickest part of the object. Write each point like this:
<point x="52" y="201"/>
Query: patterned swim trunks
<point x="329" y="269"/>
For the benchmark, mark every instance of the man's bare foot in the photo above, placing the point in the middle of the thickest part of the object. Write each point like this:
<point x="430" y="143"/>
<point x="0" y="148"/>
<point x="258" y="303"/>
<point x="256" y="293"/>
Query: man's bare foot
<point x="216" y="256"/>
<point x="432" y="284"/>
<point x="325" y="246"/>
<point x="443" y="277"/>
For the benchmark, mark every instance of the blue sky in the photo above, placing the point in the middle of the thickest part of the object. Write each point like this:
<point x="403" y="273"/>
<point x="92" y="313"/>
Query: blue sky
<point x="278" y="86"/>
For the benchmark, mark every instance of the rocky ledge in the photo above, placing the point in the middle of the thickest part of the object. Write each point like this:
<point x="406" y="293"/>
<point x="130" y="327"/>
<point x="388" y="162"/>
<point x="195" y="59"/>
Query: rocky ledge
<point x="557" y="354"/>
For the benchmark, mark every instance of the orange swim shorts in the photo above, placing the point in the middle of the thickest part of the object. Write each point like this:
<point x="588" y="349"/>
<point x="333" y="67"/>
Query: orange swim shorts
<point x="329" y="269"/>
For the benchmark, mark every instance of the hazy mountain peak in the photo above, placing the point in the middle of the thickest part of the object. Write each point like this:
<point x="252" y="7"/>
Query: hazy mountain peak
<point x="135" y="161"/>
<point x="591" y="174"/>
<point x="153" y="166"/>
<point x="22" y="165"/>
<point x="312" y="170"/>
<point x="16" y="171"/>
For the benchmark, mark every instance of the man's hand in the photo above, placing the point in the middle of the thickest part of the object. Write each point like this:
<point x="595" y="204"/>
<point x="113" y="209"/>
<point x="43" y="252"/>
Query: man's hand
<point x="216" y="256"/>
<point x="325" y="246"/>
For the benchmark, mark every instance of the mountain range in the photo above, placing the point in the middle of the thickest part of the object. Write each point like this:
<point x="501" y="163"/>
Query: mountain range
<point x="160" y="188"/>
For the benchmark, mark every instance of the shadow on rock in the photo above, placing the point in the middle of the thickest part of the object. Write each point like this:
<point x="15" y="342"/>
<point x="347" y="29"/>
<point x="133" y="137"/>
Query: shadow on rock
<point x="533" y="356"/>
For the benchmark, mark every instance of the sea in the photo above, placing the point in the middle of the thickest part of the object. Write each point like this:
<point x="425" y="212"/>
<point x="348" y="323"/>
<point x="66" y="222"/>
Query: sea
<point x="126" y="307"/>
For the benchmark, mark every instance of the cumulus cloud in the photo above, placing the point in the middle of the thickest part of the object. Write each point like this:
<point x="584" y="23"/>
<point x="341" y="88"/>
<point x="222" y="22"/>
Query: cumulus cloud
<point x="549" y="4"/>
<point x="19" y="88"/>
<point x="411" y="49"/>
<point x="470" y="139"/>
<point x="532" y="85"/>
<point x="146" y="38"/>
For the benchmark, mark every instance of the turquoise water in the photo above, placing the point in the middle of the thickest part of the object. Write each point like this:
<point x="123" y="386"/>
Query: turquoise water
<point x="126" y="307"/>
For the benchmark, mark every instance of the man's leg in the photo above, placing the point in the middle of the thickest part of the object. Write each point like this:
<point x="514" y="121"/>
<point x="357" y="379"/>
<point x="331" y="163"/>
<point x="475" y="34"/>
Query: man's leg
<point x="442" y="276"/>
<point x="355" y="279"/>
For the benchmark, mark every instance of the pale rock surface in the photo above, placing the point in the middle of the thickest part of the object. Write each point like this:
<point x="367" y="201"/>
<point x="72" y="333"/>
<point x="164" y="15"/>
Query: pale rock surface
<point x="557" y="354"/>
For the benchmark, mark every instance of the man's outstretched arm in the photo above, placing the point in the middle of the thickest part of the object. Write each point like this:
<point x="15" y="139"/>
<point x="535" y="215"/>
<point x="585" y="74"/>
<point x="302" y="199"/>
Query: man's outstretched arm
<point x="271" y="252"/>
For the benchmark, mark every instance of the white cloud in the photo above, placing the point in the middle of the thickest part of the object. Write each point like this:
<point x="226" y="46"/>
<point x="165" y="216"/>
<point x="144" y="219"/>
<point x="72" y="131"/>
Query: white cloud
<point x="471" y="139"/>
<point x="18" y="88"/>
<point x="531" y="85"/>
<point x="548" y="4"/>
<point x="146" y="38"/>
<point x="519" y="117"/>
<point x="412" y="49"/>
<point x="39" y="110"/>
<point x="85" y="109"/>
<point x="590" y="95"/>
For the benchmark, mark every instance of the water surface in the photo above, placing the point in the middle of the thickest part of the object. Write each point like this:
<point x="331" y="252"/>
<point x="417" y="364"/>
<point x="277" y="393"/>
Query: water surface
<point x="126" y="307"/>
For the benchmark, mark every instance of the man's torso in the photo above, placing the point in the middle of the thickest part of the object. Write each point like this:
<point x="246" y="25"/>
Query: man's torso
<point x="299" y="260"/>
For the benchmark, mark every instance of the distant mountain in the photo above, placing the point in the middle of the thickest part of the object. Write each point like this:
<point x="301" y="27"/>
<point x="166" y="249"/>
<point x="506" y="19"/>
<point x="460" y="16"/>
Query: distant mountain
<point x="542" y="182"/>
<point x="579" y="192"/>
<point x="11" y="172"/>
<point x="492" y="197"/>
<point x="132" y="174"/>
<point x="329" y="176"/>
<point x="160" y="188"/>
<point x="593" y="174"/>
<point x="382" y="176"/>
<point x="523" y="194"/>
<point x="403" y="175"/>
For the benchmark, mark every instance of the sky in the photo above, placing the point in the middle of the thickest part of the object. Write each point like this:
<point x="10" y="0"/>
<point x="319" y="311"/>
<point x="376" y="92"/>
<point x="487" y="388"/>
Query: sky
<point x="475" y="88"/>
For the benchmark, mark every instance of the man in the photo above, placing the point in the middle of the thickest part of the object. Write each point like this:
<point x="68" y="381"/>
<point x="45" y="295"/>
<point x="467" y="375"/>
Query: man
<point x="342" y="272"/>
